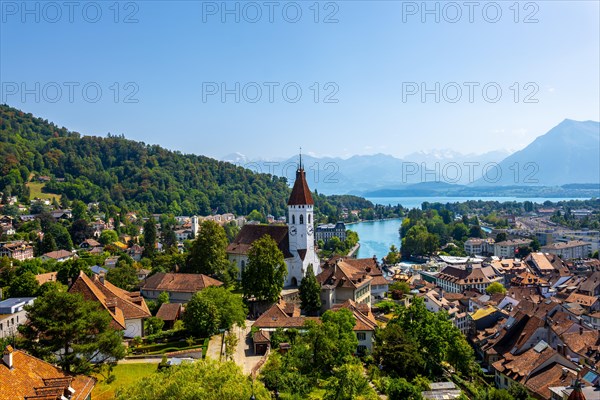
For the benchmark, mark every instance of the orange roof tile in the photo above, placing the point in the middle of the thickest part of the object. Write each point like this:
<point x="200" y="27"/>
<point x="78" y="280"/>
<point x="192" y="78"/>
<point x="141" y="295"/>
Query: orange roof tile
<point x="31" y="377"/>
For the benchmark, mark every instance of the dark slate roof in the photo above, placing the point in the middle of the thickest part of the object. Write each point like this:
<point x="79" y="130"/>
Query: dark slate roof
<point x="300" y="192"/>
<point x="250" y="233"/>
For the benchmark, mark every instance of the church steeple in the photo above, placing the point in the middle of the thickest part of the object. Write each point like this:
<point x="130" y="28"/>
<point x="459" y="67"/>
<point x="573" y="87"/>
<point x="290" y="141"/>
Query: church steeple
<point x="300" y="192"/>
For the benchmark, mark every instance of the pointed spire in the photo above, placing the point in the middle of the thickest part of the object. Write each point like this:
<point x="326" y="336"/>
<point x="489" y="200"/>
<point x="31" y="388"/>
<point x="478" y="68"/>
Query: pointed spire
<point x="300" y="166"/>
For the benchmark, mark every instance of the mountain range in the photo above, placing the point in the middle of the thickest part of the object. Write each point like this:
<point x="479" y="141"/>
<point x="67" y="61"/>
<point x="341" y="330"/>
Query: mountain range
<point x="567" y="154"/>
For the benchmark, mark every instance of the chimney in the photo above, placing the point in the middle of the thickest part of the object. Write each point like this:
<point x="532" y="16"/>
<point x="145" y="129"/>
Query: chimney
<point x="565" y="371"/>
<point x="7" y="357"/>
<point x="101" y="278"/>
<point x="581" y="330"/>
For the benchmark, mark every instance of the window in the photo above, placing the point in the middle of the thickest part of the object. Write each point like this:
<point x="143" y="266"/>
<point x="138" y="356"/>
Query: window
<point x="361" y="349"/>
<point x="361" y="336"/>
<point x="293" y="219"/>
<point x="301" y="219"/>
<point x="309" y="218"/>
<point x="243" y="264"/>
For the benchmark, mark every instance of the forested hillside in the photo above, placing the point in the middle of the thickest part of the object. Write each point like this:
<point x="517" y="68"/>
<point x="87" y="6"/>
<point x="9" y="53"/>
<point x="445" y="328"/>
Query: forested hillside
<point x="136" y="176"/>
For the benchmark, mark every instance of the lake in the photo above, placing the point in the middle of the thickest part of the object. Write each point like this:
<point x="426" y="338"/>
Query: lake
<point x="415" y="202"/>
<point x="376" y="237"/>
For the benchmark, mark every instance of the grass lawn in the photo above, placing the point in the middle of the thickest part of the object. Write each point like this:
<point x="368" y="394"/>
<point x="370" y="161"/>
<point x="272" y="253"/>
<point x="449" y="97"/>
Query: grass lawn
<point x="35" y="189"/>
<point x="126" y="374"/>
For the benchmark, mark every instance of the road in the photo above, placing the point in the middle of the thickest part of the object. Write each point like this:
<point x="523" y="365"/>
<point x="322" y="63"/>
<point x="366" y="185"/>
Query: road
<point x="244" y="353"/>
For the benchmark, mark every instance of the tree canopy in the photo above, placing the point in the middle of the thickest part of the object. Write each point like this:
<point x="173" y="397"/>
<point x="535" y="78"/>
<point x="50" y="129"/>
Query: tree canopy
<point x="204" y="379"/>
<point x="212" y="309"/>
<point x="310" y="293"/>
<point x="71" y="331"/>
<point x="265" y="273"/>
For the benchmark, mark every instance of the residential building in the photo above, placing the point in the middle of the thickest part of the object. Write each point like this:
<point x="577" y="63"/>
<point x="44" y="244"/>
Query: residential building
<point x="295" y="240"/>
<point x="23" y="376"/>
<point x="127" y="309"/>
<point x="325" y="232"/>
<point x="508" y="248"/>
<point x="538" y="369"/>
<point x="479" y="247"/>
<point x="457" y="279"/>
<point x="19" y="250"/>
<point x="180" y="287"/>
<point x="89" y="244"/>
<point x="365" y="324"/>
<point x="340" y="281"/>
<point x="13" y="314"/>
<point x="370" y="266"/>
<point x="569" y="250"/>
<point x="59" y="255"/>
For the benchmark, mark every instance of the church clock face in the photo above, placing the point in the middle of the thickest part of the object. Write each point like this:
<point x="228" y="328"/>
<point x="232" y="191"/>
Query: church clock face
<point x="293" y="230"/>
<point x="309" y="230"/>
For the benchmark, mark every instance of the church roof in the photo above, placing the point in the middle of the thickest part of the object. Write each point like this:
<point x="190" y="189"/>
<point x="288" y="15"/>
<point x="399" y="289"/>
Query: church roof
<point x="300" y="192"/>
<point x="250" y="233"/>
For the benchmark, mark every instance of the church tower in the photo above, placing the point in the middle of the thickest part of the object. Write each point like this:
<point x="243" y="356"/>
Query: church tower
<point x="301" y="230"/>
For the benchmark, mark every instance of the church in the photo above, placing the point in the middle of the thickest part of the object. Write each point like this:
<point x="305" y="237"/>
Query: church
<point x="295" y="239"/>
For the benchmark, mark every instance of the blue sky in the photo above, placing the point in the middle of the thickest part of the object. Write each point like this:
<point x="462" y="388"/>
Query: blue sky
<point x="174" y="57"/>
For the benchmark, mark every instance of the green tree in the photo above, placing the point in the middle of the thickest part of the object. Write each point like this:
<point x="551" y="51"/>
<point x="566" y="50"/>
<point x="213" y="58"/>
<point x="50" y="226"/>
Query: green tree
<point x="518" y="392"/>
<point x="52" y="286"/>
<point x="71" y="331"/>
<point x="163" y="298"/>
<point x="348" y="383"/>
<point x="501" y="237"/>
<point x="48" y="244"/>
<point x="265" y="273"/>
<point x="208" y="254"/>
<point x="398" y="353"/>
<point x="393" y="256"/>
<point x="124" y="275"/>
<point x="401" y="389"/>
<point x="255" y="215"/>
<point x="398" y="289"/>
<point x="310" y="292"/>
<point x="108" y="236"/>
<point x="495" y="287"/>
<point x="149" y="238"/>
<point x="79" y="210"/>
<point x="231" y="342"/>
<point x="204" y="379"/>
<point x="153" y="325"/>
<point x="419" y="242"/>
<point x="212" y="309"/>
<point x="24" y="285"/>
<point x="330" y="342"/>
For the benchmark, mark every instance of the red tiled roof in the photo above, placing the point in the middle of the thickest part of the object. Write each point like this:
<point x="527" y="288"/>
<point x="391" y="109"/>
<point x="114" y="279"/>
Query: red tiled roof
<point x="365" y="321"/>
<point x="169" y="311"/>
<point x="342" y="274"/>
<point x="277" y="317"/>
<point x="185" y="283"/>
<point x="33" y="378"/>
<point x="300" y="192"/>
<point x="48" y="277"/>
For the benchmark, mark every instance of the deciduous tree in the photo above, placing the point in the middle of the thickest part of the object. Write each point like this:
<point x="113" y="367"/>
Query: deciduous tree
<point x="265" y="273"/>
